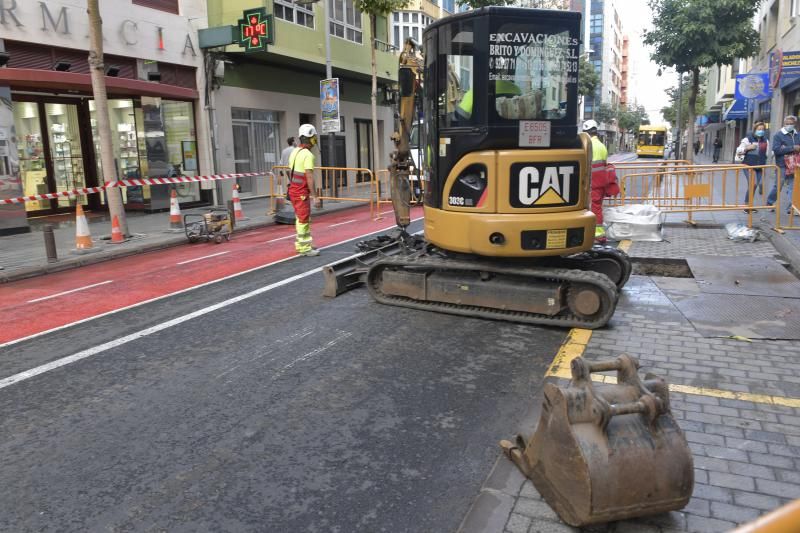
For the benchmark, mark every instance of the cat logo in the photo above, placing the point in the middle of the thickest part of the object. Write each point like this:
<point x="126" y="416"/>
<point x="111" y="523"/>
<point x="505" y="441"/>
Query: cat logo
<point x="543" y="185"/>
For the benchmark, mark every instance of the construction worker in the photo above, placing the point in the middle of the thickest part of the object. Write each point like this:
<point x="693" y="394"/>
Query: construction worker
<point x="599" y="177"/>
<point x="301" y="189"/>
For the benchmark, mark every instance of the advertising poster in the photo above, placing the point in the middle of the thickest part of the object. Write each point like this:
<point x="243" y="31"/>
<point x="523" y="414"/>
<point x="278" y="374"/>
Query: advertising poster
<point x="329" y="102"/>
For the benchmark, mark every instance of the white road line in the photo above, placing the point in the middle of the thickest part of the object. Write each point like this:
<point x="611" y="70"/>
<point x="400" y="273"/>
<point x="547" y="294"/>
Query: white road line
<point x="342" y="223"/>
<point x="163" y="296"/>
<point x="27" y="374"/>
<point x="201" y="258"/>
<point x="282" y="238"/>
<point x="70" y="292"/>
<point x="312" y="353"/>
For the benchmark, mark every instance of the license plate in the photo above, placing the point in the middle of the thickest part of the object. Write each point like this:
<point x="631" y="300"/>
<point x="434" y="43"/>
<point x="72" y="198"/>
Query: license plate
<point x="556" y="238"/>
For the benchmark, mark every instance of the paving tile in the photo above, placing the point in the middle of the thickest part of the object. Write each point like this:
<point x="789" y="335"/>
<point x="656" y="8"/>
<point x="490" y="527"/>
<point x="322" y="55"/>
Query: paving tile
<point x="518" y="523"/>
<point x="700" y="524"/>
<point x="764" y="502"/>
<point x="733" y="513"/>
<point x="731" y="481"/>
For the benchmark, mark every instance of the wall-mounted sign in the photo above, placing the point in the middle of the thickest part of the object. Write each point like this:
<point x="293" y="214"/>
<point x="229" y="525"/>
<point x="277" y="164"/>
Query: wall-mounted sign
<point x="775" y="64"/>
<point x="256" y="30"/>
<point x="790" y="68"/>
<point x="329" y="102"/>
<point x="753" y="86"/>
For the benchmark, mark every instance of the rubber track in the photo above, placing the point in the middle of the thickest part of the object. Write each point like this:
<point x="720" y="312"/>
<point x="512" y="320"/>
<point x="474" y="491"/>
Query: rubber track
<point x="600" y="252"/>
<point x="421" y="262"/>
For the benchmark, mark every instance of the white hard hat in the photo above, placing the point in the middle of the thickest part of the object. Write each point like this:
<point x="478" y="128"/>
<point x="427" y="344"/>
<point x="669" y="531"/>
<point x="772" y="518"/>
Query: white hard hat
<point x="589" y="124"/>
<point x="307" y="130"/>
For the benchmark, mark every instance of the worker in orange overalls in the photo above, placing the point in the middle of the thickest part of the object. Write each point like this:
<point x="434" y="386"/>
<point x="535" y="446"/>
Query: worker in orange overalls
<point x="301" y="189"/>
<point x="604" y="178"/>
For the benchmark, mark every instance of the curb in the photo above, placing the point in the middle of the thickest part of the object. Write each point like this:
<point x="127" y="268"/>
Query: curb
<point x="492" y="507"/>
<point x="784" y="246"/>
<point x="102" y="255"/>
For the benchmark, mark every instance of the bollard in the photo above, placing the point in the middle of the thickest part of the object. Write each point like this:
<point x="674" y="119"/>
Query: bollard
<point x="50" y="244"/>
<point x="231" y="214"/>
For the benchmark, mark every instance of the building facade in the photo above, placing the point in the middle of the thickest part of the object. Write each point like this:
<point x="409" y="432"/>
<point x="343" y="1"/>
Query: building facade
<point x="605" y="53"/>
<point x="154" y="76"/>
<point x="262" y="98"/>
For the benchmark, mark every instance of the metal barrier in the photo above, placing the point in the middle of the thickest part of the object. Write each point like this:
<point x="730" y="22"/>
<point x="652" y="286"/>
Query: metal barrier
<point x="384" y="190"/>
<point x="794" y="206"/>
<point x="341" y="184"/>
<point x="686" y="188"/>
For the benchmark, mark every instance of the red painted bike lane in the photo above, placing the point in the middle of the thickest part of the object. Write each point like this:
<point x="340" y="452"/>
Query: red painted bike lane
<point x="37" y="305"/>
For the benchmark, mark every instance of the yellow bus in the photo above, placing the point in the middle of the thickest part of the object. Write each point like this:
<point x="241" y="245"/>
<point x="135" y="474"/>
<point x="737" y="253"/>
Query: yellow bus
<point x="651" y="141"/>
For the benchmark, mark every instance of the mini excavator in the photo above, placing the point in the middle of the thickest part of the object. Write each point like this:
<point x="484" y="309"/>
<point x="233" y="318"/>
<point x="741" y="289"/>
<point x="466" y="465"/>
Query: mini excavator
<point x="508" y="233"/>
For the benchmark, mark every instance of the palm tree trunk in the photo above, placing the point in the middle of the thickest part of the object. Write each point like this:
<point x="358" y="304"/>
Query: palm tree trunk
<point x="374" y="96"/>
<point x="97" y="70"/>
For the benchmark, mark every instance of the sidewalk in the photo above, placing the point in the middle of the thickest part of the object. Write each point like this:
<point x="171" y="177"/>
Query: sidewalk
<point x="23" y="255"/>
<point x="741" y="417"/>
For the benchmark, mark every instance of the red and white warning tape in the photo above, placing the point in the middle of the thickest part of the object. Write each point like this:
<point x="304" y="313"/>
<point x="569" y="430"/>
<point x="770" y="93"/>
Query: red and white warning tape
<point x="129" y="183"/>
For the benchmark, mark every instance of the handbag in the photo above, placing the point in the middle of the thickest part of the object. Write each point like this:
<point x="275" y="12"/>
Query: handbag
<point x="790" y="163"/>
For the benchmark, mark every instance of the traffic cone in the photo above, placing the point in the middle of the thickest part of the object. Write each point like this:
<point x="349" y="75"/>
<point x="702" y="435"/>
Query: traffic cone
<point x="238" y="214"/>
<point x="83" y="239"/>
<point x="116" y="234"/>
<point x="174" y="211"/>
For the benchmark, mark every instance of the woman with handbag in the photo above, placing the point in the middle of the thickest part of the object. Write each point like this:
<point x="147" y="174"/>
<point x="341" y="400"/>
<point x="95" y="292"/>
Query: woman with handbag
<point x="785" y="146"/>
<point x="752" y="151"/>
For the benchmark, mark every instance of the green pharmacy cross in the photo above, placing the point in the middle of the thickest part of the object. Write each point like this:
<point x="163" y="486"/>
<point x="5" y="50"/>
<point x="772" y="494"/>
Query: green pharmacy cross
<point x="255" y="30"/>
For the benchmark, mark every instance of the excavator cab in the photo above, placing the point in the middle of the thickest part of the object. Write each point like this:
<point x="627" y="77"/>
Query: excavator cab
<point x="507" y="171"/>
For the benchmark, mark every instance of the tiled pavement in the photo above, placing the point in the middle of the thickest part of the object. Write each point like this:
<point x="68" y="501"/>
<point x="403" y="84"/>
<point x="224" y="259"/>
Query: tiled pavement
<point x="746" y="453"/>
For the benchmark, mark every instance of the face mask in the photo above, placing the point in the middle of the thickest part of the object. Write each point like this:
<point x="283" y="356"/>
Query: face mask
<point x="789" y="128"/>
<point x="759" y="133"/>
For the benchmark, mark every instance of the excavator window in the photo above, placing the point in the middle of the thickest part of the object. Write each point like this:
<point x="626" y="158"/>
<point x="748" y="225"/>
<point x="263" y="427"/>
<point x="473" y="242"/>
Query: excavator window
<point x="457" y="97"/>
<point x="531" y="75"/>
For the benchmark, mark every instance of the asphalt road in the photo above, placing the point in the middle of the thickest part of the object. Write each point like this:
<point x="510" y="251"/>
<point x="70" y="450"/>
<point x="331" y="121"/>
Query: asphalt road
<point x="283" y="411"/>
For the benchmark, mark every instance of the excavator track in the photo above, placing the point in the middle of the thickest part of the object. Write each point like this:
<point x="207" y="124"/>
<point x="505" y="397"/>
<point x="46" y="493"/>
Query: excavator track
<point x="607" y="260"/>
<point x="561" y="297"/>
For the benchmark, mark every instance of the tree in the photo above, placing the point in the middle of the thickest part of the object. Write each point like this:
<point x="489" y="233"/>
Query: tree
<point x="374" y="8"/>
<point x="98" y="72"/>
<point x="693" y="34"/>
<point x="605" y="113"/>
<point x="670" y="112"/>
<point x="588" y="78"/>
<point x="631" y="117"/>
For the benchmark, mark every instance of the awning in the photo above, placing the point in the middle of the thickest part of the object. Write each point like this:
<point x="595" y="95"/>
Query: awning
<point x="737" y="111"/>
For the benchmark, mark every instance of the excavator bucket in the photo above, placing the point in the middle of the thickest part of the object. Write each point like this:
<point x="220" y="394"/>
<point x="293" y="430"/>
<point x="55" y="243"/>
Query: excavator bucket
<point x="607" y="453"/>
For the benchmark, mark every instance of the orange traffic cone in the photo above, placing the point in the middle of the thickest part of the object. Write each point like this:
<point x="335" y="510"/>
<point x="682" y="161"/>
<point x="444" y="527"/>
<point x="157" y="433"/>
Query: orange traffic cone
<point x="174" y="211"/>
<point x="238" y="214"/>
<point x="116" y="233"/>
<point x="83" y="239"/>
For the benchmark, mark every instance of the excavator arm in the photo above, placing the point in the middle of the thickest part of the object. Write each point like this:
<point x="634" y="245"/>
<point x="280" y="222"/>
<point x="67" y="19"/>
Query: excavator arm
<point x="401" y="162"/>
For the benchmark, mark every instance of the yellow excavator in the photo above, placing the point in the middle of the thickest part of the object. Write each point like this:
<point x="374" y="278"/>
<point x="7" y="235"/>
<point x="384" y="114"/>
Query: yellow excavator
<point x="508" y="233"/>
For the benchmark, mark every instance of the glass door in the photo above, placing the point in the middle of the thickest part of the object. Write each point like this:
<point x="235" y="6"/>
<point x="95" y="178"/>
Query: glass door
<point x="63" y="132"/>
<point x="32" y="155"/>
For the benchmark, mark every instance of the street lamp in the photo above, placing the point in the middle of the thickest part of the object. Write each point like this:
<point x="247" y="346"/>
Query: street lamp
<point x="328" y="75"/>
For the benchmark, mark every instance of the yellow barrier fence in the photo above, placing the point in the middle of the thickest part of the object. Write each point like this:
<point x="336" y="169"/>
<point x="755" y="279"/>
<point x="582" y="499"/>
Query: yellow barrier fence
<point x="384" y="190"/>
<point x="793" y="217"/>
<point x="686" y="188"/>
<point x="339" y="184"/>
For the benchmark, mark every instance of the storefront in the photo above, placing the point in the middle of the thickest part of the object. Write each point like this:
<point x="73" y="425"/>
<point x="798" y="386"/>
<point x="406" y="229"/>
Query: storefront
<point x="59" y="149"/>
<point x="153" y="74"/>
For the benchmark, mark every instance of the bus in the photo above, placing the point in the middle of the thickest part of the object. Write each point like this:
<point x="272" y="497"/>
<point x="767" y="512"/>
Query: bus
<point x="652" y="140"/>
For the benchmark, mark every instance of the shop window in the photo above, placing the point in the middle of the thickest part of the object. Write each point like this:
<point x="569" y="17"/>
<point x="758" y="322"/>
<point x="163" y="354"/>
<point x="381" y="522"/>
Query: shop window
<point x="256" y="143"/>
<point x="181" y="145"/>
<point x="170" y="6"/>
<point x="345" y="20"/>
<point x="32" y="163"/>
<point x="295" y="13"/>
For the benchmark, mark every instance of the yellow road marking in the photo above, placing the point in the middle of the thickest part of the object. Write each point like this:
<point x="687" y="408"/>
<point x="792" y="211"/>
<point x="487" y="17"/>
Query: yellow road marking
<point x="577" y="340"/>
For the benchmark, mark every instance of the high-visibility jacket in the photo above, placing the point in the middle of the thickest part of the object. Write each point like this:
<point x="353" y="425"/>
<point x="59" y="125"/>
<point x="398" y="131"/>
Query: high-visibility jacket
<point x="300" y="161"/>
<point x="599" y="162"/>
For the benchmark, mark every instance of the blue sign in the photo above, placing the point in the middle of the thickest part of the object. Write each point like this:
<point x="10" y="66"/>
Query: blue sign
<point x="753" y="86"/>
<point x="790" y="68"/>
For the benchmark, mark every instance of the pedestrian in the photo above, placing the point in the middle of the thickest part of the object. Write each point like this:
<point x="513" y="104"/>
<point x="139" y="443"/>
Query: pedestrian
<point x="287" y="152"/>
<point x="754" y="149"/>
<point x="717" y="148"/>
<point x="301" y="189"/>
<point x="603" y="182"/>
<point x="785" y="143"/>
<point x="696" y="147"/>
